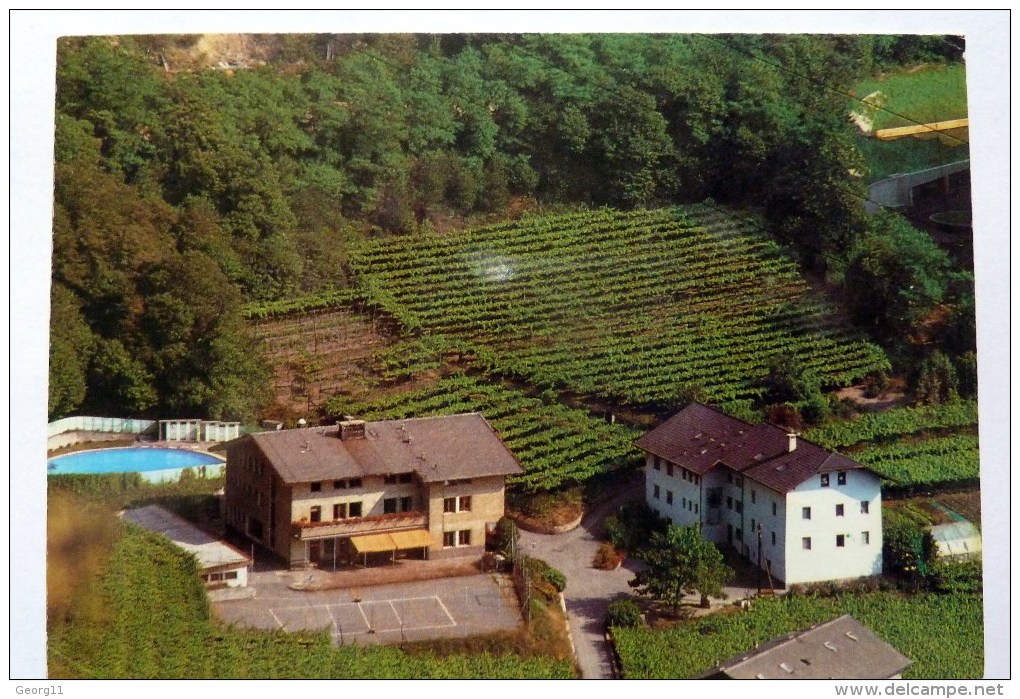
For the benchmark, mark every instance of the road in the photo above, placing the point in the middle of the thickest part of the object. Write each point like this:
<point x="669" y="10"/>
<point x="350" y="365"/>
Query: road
<point x="588" y="590"/>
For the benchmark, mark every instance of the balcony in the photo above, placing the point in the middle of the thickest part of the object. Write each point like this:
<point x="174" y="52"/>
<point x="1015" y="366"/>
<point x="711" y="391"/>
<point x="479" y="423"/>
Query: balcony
<point x="360" y="525"/>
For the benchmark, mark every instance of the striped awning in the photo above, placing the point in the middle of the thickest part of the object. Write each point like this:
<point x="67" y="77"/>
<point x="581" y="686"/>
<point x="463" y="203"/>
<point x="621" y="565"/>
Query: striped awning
<point x="392" y="541"/>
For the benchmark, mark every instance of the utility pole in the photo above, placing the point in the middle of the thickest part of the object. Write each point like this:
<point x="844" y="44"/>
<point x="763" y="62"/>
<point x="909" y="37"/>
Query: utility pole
<point x="759" y="558"/>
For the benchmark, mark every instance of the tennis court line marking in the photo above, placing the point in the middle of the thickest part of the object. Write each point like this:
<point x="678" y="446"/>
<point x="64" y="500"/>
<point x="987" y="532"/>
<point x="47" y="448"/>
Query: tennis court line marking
<point x="446" y="611"/>
<point x="277" y="618"/>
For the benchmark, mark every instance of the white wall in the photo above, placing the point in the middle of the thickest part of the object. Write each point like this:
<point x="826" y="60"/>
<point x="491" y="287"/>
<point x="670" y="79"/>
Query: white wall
<point x="758" y="502"/>
<point x="825" y="560"/>
<point x="686" y="507"/>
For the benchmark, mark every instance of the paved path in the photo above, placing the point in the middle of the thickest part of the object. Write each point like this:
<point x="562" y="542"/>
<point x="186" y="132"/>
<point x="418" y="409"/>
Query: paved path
<point x="588" y="590"/>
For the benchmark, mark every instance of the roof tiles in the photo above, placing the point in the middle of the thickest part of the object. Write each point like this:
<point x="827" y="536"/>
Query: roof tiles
<point x="699" y="438"/>
<point x="436" y="448"/>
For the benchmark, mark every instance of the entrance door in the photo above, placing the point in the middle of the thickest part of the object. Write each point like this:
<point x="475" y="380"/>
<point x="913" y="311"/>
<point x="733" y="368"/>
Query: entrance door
<point x="314" y="551"/>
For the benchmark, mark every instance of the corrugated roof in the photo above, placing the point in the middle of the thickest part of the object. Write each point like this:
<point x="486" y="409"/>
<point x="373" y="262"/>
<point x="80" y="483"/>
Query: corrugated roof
<point x="436" y="448"/>
<point x="210" y="551"/>
<point x="699" y="437"/>
<point x="839" y="649"/>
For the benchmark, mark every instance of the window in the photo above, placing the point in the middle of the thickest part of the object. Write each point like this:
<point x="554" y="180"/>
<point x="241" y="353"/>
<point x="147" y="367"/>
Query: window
<point x="458" y="504"/>
<point x="773" y="509"/>
<point x="729" y="502"/>
<point x="339" y="485"/>
<point x="406" y="504"/>
<point x="739" y="534"/>
<point x="865" y="538"/>
<point x="389" y="506"/>
<point x="316" y="514"/>
<point x="752" y="524"/>
<point x="864" y="507"/>
<point x="340" y="510"/>
<point x="669" y="497"/>
<point x="805" y="543"/>
<point x="753" y="496"/>
<point x="404" y="478"/>
<point x="839" y="510"/>
<point x="773" y="538"/>
<point x="739" y="506"/>
<point x="805" y="513"/>
<point x="316" y="487"/>
<point x="354" y="483"/>
<point x="458" y="538"/>
<point x="656" y="464"/>
<point x="655" y="492"/>
<point x="685" y="474"/>
<point x="390" y="480"/>
<point x="841" y="478"/>
<point x="825" y="480"/>
<point x="740" y="481"/>
<point x="840" y="540"/>
<point x="354" y="509"/>
<point x="669" y="469"/>
<point x="695" y="508"/>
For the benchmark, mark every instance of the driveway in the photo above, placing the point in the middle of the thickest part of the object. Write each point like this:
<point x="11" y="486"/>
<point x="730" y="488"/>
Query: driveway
<point x="588" y="590"/>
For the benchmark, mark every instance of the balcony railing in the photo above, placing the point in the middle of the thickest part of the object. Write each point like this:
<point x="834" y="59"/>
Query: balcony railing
<point x="353" y="526"/>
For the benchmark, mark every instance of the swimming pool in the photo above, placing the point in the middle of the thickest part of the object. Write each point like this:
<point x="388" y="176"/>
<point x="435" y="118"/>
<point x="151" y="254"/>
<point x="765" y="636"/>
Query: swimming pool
<point x="153" y="463"/>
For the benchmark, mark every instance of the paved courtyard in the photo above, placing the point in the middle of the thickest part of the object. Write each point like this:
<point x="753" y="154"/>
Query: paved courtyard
<point x="412" y="611"/>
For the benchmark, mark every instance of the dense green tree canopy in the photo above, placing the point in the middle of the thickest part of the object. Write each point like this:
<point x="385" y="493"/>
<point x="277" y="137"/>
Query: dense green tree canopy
<point x="178" y="192"/>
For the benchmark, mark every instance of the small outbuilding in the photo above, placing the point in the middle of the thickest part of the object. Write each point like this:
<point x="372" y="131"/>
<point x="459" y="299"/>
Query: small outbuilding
<point x="223" y="568"/>
<point x="841" y="649"/>
<point x="957" y="540"/>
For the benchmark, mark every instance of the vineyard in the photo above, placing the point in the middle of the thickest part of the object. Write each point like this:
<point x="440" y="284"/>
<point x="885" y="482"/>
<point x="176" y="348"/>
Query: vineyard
<point x="315" y="351"/>
<point x="631" y="307"/>
<point x="942" y="634"/>
<point x="154" y="623"/>
<point x="913" y="446"/>
<point x="555" y="444"/>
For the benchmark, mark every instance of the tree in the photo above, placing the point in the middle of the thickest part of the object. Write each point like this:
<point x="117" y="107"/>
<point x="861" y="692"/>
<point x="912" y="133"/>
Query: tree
<point x="896" y="277"/>
<point x="937" y="381"/>
<point x="679" y="563"/>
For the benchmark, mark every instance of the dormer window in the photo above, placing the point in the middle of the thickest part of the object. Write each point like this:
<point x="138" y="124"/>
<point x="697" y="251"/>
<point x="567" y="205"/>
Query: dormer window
<point x="841" y="478"/>
<point x="825" y="480"/>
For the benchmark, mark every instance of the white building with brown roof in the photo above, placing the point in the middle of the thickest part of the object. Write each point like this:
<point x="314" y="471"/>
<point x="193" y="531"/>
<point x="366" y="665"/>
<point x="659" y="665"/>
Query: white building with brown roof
<point x="335" y="495"/>
<point x="816" y="515"/>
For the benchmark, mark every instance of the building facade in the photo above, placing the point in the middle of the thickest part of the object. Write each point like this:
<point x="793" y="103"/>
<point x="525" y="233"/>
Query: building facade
<point x="330" y="496"/>
<point x="806" y="513"/>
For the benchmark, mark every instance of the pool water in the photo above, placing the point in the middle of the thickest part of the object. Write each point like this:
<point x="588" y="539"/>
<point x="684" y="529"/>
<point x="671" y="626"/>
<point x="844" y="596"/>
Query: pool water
<point x="153" y="463"/>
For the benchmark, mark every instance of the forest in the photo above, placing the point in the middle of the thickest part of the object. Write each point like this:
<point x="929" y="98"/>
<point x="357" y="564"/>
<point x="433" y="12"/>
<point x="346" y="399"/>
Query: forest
<point x="183" y="193"/>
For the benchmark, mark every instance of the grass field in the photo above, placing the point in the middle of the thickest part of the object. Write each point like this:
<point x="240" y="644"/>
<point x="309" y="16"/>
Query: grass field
<point x="942" y="634"/>
<point x="936" y="93"/>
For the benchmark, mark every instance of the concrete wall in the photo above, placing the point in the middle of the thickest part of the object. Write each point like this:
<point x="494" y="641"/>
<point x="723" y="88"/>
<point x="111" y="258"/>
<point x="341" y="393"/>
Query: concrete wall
<point x="898" y="191"/>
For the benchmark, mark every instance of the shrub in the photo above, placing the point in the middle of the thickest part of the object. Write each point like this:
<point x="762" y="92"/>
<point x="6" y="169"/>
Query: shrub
<point x="957" y="576"/>
<point x="506" y="536"/>
<point x="546" y="580"/>
<point x="607" y="557"/>
<point x="624" y="613"/>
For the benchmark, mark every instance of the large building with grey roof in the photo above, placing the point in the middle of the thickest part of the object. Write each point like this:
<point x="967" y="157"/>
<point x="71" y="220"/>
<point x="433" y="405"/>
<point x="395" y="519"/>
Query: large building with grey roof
<point x="807" y="514"/>
<point x="360" y="491"/>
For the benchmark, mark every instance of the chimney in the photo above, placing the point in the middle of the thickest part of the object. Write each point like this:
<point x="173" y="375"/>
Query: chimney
<point x="351" y="429"/>
<point x="792" y="436"/>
